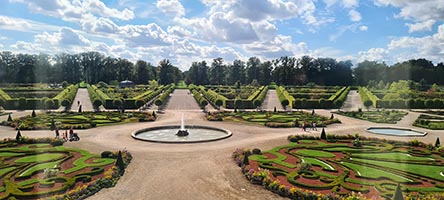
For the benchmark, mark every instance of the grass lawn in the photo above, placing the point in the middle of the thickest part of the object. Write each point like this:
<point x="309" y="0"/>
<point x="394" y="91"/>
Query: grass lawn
<point x="84" y="120"/>
<point x="274" y="119"/>
<point x="373" y="166"/>
<point x="381" y="116"/>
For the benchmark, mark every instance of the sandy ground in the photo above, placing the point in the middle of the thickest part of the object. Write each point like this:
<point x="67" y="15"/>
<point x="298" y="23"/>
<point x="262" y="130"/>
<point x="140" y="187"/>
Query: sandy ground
<point x="82" y="96"/>
<point x="195" y="171"/>
<point x="352" y="102"/>
<point x="271" y="101"/>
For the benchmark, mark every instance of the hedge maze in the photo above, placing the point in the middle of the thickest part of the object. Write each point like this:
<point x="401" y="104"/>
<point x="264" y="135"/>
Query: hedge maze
<point x="83" y="120"/>
<point x="40" y="170"/>
<point x="317" y="97"/>
<point x="241" y="97"/>
<point x="127" y="98"/>
<point x="274" y="119"/>
<point x="36" y="97"/>
<point x="345" y="164"/>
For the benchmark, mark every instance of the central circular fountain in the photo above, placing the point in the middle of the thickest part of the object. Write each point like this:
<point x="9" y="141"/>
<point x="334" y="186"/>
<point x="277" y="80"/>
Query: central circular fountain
<point x="181" y="134"/>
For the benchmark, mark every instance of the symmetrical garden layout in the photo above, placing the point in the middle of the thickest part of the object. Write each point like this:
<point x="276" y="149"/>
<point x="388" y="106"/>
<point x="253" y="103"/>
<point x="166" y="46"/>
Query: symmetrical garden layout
<point x="339" y="166"/>
<point x="378" y="116"/>
<point x="39" y="170"/>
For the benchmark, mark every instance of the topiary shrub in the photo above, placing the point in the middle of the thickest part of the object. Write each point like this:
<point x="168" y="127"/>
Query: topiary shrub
<point x="332" y="116"/>
<point x="323" y="134"/>
<point x="33" y="113"/>
<point x="219" y="102"/>
<point x="97" y="103"/>
<point x="9" y="118"/>
<point x="437" y="143"/>
<point x="66" y="102"/>
<point x="256" y="151"/>
<point x="117" y="103"/>
<point x="57" y="142"/>
<point x="139" y="103"/>
<point x="107" y="154"/>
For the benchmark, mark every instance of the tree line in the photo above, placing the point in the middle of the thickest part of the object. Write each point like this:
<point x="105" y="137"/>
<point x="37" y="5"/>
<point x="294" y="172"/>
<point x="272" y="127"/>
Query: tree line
<point x="94" y="67"/>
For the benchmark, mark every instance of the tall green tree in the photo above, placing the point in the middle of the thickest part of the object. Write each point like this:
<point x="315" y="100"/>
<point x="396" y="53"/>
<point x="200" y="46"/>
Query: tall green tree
<point x="218" y="72"/>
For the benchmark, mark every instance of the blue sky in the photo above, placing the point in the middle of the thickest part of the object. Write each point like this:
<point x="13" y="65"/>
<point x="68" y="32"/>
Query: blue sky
<point x="193" y="30"/>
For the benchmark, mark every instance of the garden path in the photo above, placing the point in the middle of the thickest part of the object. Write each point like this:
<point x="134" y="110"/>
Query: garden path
<point x="408" y="120"/>
<point x="353" y="101"/>
<point x="82" y="96"/>
<point x="181" y="99"/>
<point x="193" y="171"/>
<point x="271" y="101"/>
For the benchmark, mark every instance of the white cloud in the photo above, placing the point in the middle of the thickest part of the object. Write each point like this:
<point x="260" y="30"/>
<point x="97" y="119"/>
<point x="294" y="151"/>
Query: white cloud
<point x="363" y="28"/>
<point x="421" y="26"/>
<point x="171" y="7"/>
<point x="280" y="46"/>
<point x="374" y="54"/>
<point x="354" y="15"/>
<point x="144" y="35"/>
<point x="73" y="10"/>
<point x="342" y="29"/>
<point x="93" y="24"/>
<point x="350" y="3"/>
<point x="24" y="25"/>
<point x="417" y="10"/>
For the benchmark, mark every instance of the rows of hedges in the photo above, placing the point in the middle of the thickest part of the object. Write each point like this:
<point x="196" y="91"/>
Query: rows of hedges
<point x="366" y="95"/>
<point x="334" y="101"/>
<point x="412" y="103"/>
<point x="162" y="99"/>
<point x="65" y="98"/>
<point x="253" y="101"/>
<point x="284" y="97"/>
<point x="197" y="96"/>
<point x="98" y="98"/>
<point x="212" y="97"/>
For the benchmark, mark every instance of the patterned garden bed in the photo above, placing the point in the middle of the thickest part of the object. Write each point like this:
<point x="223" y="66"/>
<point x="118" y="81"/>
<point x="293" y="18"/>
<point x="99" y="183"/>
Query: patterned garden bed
<point x="343" y="165"/>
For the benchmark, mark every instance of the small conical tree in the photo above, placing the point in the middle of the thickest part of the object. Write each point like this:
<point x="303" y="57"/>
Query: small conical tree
<point x="9" y="118"/>
<point x="154" y="114"/>
<point x="398" y="193"/>
<point x="18" y="137"/>
<point x="437" y="143"/>
<point x="33" y="113"/>
<point x="312" y="112"/>
<point x="119" y="163"/>
<point x="323" y="134"/>
<point x="332" y="116"/>
<point x="246" y="161"/>
<point x="275" y="110"/>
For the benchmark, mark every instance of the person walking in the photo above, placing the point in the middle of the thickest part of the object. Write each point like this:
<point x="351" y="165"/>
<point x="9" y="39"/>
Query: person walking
<point x="57" y="134"/>
<point x="304" y="126"/>
<point x="313" y="126"/>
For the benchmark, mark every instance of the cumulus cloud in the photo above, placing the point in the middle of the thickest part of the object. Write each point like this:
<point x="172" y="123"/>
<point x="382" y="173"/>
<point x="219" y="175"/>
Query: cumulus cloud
<point x="363" y="28"/>
<point x="73" y="10"/>
<point x="144" y="35"/>
<point x="354" y="15"/>
<point x="374" y="54"/>
<point x="24" y="25"/>
<point x="421" y="26"/>
<point x="281" y="45"/>
<point x="419" y="11"/>
<point x="171" y="7"/>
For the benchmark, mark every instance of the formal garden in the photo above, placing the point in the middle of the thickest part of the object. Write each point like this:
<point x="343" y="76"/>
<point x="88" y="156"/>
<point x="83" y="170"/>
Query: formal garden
<point x="275" y="119"/>
<point x="44" y="169"/>
<point x="36" y="96"/>
<point x="76" y="120"/>
<point x="312" y="96"/>
<point x="430" y="122"/>
<point x="377" y="116"/>
<point x="403" y="94"/>
<point x="334" y="167"/>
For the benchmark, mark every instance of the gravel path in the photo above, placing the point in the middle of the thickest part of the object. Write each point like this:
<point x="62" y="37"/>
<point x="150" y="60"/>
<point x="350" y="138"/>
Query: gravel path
<point x="82" y="96"/>
<point x="271" y="101"/>
<point x="353" y="101"/>
<point x="181" y="99"/>
<point x="194" y="171"/>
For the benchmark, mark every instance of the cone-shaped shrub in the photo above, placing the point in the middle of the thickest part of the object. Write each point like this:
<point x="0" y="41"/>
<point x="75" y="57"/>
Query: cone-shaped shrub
<point x="323" y="134"/>
<point x="154" y="114"/>
<point x="332" y="116"/>
<point x="33" y="113"/>
<point x="437" y="143"/>
<point x="18" y="137"/>
<point x="9" y="118"/>
<point x="312" y="112"/>
<point x="246" y="161"/>
<point x="119" y="163"/>
<point x="398" y="193"/>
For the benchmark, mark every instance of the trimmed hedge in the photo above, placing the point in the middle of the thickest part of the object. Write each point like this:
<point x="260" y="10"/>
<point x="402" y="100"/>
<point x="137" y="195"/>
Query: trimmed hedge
<point x="66" y="96"/>
<point x="285" y="98"/>
<point x="367" y="95"/>
<point x="162" y="99"/>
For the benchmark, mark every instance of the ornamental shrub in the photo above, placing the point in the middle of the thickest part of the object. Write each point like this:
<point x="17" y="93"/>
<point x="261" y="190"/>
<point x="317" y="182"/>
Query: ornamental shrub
<point x="323" y="134"/>
<point x="97" y="103"/>
<point x="33" y="113"/>
<point x="9" y="118"/>
<point x="117" y="103"/>
<point x="256" y="151"/>
<point x="18" y="136"/>
<point x="139" y="103"/>
<point x="437" y="143"/>
<point x="107" y="154"/>
<point x="66" y="102"/>
<point x="158" y="102"/>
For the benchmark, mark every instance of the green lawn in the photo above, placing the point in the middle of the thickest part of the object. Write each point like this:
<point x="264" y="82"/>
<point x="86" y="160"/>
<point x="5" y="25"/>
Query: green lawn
<point x="430" y="122"/>
<point x="381" y="116"/>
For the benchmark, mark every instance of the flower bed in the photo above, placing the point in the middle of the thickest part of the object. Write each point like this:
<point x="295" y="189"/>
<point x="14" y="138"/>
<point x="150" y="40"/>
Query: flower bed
<point x="274" y="119"/>
<point x="380" y="116"/>
<point x="368" y="167"/>
<point x="430" y="122"/>
<point x="83" y="120"/>
<point x="34" y="169"/>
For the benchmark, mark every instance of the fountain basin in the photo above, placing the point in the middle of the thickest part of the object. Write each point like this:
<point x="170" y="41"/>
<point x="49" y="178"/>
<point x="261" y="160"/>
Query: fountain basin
<point x="167" y="134"/>
<point x="402" y="132"/>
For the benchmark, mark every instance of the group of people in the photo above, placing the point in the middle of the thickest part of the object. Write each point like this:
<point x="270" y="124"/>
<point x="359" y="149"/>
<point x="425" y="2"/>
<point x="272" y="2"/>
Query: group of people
<point x="72" y="136"/>
<point x="313" y="126"/>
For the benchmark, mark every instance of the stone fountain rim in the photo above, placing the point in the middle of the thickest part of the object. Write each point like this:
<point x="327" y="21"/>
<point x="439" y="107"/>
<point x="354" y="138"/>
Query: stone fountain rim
<point x="136" y="132"/>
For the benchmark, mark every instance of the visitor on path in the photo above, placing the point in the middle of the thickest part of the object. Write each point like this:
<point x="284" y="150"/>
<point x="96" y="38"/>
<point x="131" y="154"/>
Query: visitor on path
<point x="71" y="131"/>
<point x="78" y="103"/>
<point x="313" y="126"/>
<point x="65" y="135"/>
<point x="57" y="134"/>
<point x="304" y="126"/>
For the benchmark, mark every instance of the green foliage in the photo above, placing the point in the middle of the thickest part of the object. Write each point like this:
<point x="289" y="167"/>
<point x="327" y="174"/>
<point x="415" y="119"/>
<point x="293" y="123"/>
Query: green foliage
<point x="119" y="163"/>
<point x="323" y="134"/>
<point x="379" y="116"/>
